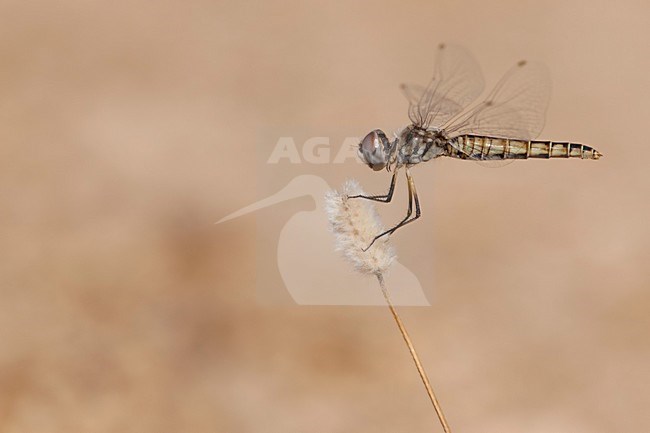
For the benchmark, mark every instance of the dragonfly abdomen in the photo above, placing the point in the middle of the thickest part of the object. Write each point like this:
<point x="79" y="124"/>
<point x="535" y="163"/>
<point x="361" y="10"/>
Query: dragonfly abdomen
<point x="478" y="147"/>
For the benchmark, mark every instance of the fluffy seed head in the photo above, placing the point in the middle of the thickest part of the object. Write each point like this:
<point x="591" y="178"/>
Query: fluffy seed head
<point x="355" y="223"/>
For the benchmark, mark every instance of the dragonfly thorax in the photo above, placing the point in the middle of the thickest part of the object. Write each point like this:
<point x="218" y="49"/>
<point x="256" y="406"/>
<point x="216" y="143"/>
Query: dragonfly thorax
<point x="416" y="144"/>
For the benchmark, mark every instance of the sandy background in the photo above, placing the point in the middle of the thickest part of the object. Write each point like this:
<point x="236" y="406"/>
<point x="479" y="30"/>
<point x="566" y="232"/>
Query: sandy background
<point x="127" y="128"/>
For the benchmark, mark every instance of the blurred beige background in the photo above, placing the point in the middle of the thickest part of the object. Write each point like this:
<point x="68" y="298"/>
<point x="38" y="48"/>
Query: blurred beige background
<point x="127" y="128"/>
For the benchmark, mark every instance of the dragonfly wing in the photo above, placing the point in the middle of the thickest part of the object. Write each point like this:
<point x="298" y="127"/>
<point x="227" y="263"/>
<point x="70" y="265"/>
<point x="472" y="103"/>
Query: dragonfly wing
<point x="516" y="107"/>
<point x="456" y="83"/>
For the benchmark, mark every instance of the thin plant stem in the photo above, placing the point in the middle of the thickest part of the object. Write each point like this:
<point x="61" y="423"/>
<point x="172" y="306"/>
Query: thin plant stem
<point x="414" y="355"/>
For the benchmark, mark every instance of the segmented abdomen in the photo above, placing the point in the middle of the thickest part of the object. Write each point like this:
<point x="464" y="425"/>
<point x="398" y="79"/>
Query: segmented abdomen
<point x="490" y="148"/>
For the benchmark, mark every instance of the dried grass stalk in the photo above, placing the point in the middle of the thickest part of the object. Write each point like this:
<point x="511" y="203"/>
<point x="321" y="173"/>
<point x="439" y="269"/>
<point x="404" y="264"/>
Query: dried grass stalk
<point x="355" y="223"/>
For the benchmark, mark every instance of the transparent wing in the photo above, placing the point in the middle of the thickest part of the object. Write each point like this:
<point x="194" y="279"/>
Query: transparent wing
<point x="515" y="108"/>
<point x="456" y="83"/>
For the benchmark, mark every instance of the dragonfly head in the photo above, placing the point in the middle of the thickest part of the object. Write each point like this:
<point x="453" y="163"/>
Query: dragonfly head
<point x="374" y="150"/>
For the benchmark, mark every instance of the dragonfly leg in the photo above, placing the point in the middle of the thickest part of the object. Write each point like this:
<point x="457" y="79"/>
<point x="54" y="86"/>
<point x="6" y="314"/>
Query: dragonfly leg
<point x="413" y="198"/>
<point x="381" y="198"/>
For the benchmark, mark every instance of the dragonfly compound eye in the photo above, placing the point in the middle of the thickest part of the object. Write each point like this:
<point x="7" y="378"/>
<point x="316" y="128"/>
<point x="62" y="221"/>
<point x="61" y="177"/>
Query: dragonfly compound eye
<point x="373" y="150"/>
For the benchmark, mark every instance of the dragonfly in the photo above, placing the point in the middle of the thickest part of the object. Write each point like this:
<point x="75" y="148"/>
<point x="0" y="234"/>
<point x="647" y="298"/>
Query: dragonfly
<point x="447" y="121"/>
